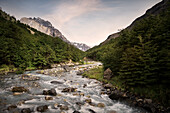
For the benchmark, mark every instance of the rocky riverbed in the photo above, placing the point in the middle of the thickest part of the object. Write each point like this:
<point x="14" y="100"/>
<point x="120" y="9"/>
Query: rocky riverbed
<point x="58" y="90"/>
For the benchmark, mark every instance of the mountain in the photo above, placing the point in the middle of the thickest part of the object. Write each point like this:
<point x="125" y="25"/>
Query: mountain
<point x="81" y="46"/>
<point x="138" y="56"/>
<point x="43" y="26"/>
<point x="24" y="47"/>
<point x="156" y="9"/>
<point x="47" y="28"/>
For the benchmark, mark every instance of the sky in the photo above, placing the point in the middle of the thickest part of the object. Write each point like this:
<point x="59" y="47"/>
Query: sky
<point x="83" y="21"/>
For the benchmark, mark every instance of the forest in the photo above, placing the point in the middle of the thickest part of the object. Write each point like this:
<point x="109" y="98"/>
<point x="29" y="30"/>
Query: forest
<point x="139" y="57"/>
<point x="23" y="47"/>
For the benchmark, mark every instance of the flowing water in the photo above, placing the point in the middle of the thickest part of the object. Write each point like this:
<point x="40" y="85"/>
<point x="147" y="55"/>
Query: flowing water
<point x="35" y="97"/>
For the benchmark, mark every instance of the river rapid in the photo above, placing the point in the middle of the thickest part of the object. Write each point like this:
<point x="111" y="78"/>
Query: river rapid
<point x="86" y="96"/>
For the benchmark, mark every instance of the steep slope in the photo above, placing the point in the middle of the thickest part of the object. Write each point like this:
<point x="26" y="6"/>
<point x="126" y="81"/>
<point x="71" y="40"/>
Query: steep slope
<point x="139" y="58"/>
<point x="81" y="46"/>
<point x="47" y="28"/>
<point x="22" y="46"/>
<point x="156" y="9"/>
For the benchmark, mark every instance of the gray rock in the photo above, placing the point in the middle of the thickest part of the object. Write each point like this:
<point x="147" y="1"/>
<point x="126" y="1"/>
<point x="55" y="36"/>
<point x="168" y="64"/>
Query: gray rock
<point x="56" y="82"/>
<point x="19" y="89"/>
<point x="42" y="108"/>
<point x="11" y="107"/>
<point x="107" y="74"/>
<point x="26" y="110"/>
<point x="64" y="107"/>
<point x="70" y="89"/>
<point x="50" y="92"/>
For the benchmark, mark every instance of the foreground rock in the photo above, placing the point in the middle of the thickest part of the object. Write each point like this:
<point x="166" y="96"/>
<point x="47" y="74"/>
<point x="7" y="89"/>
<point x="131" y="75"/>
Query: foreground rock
<point x="70" y="89"/>
<point x="48" y="98"/>
<point x="101" y="105"/>
<point x="88" y="101"/>
<point x="62" y="107"/>
<point x="50" y="92"/>
<point x="26" y="110"/>
<point x="19" y="89"/>
<point x="42" y="108"/>
<point x="11" y="107"/>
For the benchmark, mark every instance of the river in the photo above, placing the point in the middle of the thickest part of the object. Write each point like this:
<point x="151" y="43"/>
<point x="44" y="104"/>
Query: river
<point x="76" y="101"/>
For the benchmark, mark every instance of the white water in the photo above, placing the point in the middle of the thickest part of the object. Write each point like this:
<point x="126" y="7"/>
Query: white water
<point x="35" y="97"/>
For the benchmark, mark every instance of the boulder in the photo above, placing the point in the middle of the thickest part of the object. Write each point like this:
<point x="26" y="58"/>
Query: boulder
<point x="88" y="101"/>
<point x="70" y="89"/>
<point x="19" y="89"/>
<point x="116" y="95"/>
<point x="11" y="107"/>
<point x="42" y="108"/>
<point x="79" y="103"/>
<point x="64" y="107"/>
<point x="101" y="105"/>
<point x="50" y="92"/>
<point x="26" y="110"/>
<point x="148" y="101"/>
<point x="108" y="86"/>
<point x="48" y="98"/>
<point x="107" y="74"/>
<point x="56" y="82"/>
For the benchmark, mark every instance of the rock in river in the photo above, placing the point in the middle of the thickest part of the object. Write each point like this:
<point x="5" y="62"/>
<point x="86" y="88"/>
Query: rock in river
<point x="101" y="105"/>
<point x="11" y="107"/>
<point x="50" y="92"/>
<point x="64" y="107"/>
<point x="88" y="101"/>
<point x="26" y="110"/>
<point x="56" y="82"/>
<point x="19" y="89"/>
<point x="48" y="98"/>
<point x="42" y="108"/>
<point x="70" y="89"/>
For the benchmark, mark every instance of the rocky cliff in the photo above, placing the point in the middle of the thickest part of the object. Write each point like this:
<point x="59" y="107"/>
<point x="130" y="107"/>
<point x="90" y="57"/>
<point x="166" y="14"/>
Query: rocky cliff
<point x="81" y="46"/>
<point x="156" y="9"/>
<point x="47" y="28"/>
<point x="43" y="26"/>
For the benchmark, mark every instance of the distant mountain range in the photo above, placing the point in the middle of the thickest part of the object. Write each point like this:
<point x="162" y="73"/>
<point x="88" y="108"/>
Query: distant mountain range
<point x="47" y="28"/>
<point x="81" y="46"/>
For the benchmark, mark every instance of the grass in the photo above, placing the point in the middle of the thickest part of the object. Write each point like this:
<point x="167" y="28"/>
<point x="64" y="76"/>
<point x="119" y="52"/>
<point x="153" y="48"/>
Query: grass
<point x="97" y="73"/>
<point x="153" y="92"/>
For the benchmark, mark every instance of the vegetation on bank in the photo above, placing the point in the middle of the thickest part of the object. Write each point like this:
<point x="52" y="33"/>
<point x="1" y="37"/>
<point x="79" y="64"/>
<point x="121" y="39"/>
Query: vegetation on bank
<point x="139" y="58"/>
<point x="21" y="49"/>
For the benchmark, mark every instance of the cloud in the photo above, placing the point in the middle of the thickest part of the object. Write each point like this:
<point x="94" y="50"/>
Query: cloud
<point x="68" y="10"/>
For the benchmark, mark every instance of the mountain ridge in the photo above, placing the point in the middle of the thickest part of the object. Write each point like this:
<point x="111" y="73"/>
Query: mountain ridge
<point x="154" y="10"/>
<point x="47" y="28"/>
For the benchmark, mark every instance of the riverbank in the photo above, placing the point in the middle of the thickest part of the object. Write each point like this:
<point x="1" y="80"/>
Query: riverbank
<point x="117" y="92"/>
<point x="5" y="69"/>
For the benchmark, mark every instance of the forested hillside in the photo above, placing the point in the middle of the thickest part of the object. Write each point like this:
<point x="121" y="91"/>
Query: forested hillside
<point x="22" y="46"/>
<point x="140" y="57"/>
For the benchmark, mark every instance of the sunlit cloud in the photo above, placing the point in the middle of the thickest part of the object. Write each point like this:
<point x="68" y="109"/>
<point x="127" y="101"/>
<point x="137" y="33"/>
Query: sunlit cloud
<point x="66" y="11"/>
